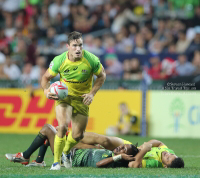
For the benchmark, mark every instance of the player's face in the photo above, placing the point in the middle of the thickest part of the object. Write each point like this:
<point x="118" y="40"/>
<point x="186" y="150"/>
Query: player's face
<point x="127" y="149"/>
<point x="75" y="48"/>
<point x="167" y="158"/>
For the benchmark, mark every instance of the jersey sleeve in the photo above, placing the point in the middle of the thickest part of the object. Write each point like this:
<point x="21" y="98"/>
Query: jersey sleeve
<point x="94" y="62"/>
<point x="151" y="163"/>
<point x="97" y="67"/>
<point x="163" y="146"/>
<point x="54" y="66"/>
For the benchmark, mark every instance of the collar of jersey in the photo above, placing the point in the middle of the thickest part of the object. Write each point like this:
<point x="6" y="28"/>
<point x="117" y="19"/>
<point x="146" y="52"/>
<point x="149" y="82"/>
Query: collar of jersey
<point x="74" y="63"/>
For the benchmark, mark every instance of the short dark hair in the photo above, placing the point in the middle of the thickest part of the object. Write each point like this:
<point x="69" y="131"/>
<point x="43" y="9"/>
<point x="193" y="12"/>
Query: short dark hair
<point x="134" y="149"/>
<point x="177" y="163"/>
<point x="74" y="36"/>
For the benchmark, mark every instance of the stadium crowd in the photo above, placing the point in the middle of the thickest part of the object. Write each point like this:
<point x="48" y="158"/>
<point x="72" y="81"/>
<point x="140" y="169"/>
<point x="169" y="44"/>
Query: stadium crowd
<point x="32" y="32"/>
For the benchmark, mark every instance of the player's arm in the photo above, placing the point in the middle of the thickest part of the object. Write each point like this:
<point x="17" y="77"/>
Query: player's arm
<point x="101" y="77"/>
<point x="138" y="158"/>
<point x="155" y="143"/>
<point x="106" y="162"/>
<point x="81" y="145"/>
<point x="45" y="83"/>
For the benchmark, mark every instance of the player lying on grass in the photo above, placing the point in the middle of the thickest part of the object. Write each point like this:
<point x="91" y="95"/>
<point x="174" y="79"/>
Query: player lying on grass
<point x="159" y="156"/>
<point x="46" y="136"/>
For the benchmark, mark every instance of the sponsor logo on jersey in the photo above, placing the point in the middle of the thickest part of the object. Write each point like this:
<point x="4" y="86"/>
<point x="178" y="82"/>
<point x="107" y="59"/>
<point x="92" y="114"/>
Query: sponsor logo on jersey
<point x="84" y="71"/>
<point x="51" y="65"/>
<point x="104" y="155"/>
<point x="75" y="68"/>
<point x="70" y="81"/>
<point x="66" y="71"/>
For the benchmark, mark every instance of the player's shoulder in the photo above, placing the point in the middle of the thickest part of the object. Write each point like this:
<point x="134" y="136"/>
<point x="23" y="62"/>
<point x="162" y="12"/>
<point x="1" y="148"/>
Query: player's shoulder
<point x="89" y="56"/>
<point x="60" y="58"/>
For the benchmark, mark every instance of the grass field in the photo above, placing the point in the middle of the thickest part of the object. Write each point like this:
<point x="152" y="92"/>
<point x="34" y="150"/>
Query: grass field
<point x="188" y="149"/>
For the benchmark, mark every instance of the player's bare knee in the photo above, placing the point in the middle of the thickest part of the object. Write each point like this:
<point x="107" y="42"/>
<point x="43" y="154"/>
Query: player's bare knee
<point x="44" y="129"/>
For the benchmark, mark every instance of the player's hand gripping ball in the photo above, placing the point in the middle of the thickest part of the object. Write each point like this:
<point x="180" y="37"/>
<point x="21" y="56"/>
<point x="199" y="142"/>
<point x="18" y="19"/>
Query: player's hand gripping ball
<point x="60" y="89"/>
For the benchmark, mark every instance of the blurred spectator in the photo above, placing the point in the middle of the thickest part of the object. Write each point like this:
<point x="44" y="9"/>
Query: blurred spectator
<point x="155" y="47"/>
<point x="196" y="62"/>
<point x="183" y="67"/>
<point x="168" y="67"/>
<point x="10" y="5"/>
<point x="182" y="43"/>
<point x="2" y="58"/>
<point x="93" y="3"/>
<point x="135" y="69"/>
<point x="172" y="48"/>
<point x="195" y="44"/>
<point x="155" y="71"/>
<point x="132" y="69"/>
<point x="161" y="8"/>
<point x="109" y="44"/>
<point x="9" y="28"/>
<point x="99" y="46"/>
<point x="126" y="69"/>
<point x="37" y="69"/>
<point x="122" y="18"/>
<point x="84" y="22"/>
<point x="26" y="76"/>
<point x="51" y="33"/>
<point x="59" y="25"/>
<point x="31" y="51"/>
<point x="19" y="52"/>
<point x="132" y="31"/>
<point x="43" y="21"/>
<point x="89" y="44"/>
<point x="139" y="45"/>
<point x="196" y="19"/>
<point x="58" y="7"/>
<point x="9" y="70"/>
<point x="128" y="124"/>
<point x="113" y="66"/>
<point x="4" y="41"/>
<point x="124" y="43"/>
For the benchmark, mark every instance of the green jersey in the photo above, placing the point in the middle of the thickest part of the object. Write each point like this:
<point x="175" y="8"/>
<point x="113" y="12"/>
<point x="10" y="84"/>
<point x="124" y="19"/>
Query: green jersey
<point x="153" y="158"/>
<point x="76" y="75"/>
<point x="89" y="158"/>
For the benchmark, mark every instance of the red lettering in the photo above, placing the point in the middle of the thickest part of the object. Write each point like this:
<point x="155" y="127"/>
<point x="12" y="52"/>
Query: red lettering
<point x="5" y="121"/>
<point x="41" y="122"/>
<point x="33" y="106"/>
<point x="25" y="122"/>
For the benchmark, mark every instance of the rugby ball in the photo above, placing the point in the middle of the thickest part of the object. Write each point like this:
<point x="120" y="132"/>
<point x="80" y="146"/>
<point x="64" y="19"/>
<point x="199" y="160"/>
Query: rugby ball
<point x="60" y="89"/>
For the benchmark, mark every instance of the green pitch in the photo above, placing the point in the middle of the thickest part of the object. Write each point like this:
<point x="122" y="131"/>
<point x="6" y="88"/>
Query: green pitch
<point x="188" y="149"/>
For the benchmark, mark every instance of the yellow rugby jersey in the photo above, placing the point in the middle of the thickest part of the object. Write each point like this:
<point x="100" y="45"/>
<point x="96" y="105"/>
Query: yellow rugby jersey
<point x="130" y="118"/>
<point x="77" y="75"/>
<point x="153" y="158"/>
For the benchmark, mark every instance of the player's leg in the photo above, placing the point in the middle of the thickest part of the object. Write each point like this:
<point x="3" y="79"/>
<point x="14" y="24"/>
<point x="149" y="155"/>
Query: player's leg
<point x="49" y="131"/>
<point x="23" y="157"/>
<point x="63" y="116"/>
<point x="107" y="142"/>
<point x="79" y="123"/>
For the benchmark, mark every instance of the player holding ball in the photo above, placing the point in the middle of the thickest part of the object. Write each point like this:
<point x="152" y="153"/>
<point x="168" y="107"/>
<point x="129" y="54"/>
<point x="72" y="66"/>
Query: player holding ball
<point x="76" y="68"/>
